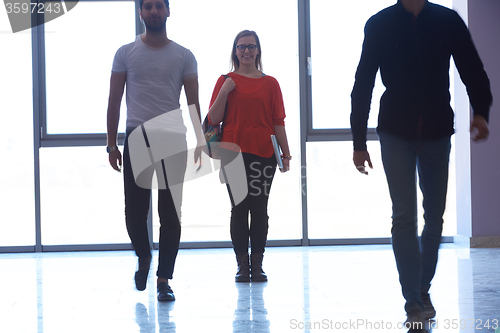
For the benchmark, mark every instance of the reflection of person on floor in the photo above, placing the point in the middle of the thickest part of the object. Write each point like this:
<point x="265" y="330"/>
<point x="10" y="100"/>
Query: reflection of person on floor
<point x="164" y="318"/>
<point x="147" y="321"/>
<point x="251" y="313"/>
<point x="250" y="104"/>
<point x="154" y="69"/>
<point x="411" y="43"/>
<point x="146" y="324"/>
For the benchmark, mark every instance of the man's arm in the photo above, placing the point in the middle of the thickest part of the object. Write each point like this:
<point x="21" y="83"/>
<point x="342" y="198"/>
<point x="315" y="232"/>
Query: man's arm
<point x="117" y="86"/>
<point x="472" y="74"/>
<point x="361" y="97"/>
<point x="191" y="90"/>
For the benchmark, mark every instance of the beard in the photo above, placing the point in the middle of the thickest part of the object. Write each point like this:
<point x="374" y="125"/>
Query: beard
<point x="155" y="25"/>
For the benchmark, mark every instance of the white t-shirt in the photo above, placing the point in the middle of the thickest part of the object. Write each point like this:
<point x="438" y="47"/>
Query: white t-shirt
<point x="154" y="81"/>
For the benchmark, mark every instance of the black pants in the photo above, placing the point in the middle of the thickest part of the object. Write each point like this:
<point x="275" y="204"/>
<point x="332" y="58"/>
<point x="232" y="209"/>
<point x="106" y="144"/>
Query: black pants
<point x="259" y="173"/>
<point x="137" y="203"/>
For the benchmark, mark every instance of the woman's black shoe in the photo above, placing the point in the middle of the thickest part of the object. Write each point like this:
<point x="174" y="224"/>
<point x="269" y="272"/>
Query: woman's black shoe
<point x="257" y="272"/>
<point x="243" y="274"/>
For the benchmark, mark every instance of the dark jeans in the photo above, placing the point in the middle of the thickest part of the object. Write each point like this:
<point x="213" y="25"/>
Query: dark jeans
<point x="259" y="174"/>
<point x="137" y="204"/>
<point x="416" y="262"/>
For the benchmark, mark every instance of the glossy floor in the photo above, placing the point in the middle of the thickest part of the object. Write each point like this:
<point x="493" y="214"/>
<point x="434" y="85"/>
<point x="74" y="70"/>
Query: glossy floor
<point x="310" y="289"/>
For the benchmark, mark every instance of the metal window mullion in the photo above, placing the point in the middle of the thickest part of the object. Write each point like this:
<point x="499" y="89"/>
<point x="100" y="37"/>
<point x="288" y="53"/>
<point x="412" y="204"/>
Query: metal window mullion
<point x="305" y="103"/>
<point x="338" y="134"/>
<point x="139" y="26"/>
<point x="38" y="82"/>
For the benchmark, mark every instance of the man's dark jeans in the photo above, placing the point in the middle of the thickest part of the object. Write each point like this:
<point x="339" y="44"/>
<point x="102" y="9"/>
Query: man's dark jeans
<point x="416" y="262"/>
<point x="137" y="203"/>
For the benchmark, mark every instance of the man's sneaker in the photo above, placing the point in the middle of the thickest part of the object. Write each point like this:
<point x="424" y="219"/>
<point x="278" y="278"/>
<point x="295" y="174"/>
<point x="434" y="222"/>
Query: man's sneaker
<point x="165" y="293"/>
<point x="415" y="319"/>
<point x="429" y="311"/>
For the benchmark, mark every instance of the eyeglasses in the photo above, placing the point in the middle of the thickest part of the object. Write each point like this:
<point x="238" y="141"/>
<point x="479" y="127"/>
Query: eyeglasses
<point x="242" y="48"/>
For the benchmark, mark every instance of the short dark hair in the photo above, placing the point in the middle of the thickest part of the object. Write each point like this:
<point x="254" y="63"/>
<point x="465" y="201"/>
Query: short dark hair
<point x="142" y="1"/>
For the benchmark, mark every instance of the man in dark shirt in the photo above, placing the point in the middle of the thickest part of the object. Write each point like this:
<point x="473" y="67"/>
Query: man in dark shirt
<point x="412" y="43"/>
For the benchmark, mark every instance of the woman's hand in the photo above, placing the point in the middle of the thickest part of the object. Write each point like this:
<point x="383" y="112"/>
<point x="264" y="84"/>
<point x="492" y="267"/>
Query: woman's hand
<point x="228" y="86"/>
<point x="286" y="164"/>
<point x="218" y="109"/>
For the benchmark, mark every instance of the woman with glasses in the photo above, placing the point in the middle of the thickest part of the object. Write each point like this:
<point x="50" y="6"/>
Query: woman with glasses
<point x="250" y="106"/>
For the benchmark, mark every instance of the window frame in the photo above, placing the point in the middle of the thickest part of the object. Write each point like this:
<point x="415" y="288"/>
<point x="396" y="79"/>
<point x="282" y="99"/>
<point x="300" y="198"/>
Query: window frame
<point x="307" y="134"/>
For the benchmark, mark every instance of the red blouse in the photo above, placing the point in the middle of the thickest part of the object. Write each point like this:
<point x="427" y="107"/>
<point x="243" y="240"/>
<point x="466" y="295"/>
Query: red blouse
<point x="253" y="108"/>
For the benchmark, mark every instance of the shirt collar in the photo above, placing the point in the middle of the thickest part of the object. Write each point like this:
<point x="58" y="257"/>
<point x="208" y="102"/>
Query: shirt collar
<point x="402" y="8"/>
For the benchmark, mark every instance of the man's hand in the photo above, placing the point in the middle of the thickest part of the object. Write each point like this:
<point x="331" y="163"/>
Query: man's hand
<point x="197" y="156"/>
<point x="359" y="158"/>
<point x="479" y="128"/>
<point x="115" y="160"/>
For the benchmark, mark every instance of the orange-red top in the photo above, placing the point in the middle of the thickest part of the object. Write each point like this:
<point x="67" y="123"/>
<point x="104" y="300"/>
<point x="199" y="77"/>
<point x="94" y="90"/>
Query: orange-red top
<point x="253" y="108"/>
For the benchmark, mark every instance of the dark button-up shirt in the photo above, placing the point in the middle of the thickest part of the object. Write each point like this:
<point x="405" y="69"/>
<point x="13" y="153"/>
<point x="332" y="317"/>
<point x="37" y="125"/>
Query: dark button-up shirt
<point x="413" y="55"/>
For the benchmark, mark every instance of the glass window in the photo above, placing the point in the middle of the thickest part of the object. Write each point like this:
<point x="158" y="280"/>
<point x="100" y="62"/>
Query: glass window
<point x="342" y="203"/>
<point x="205" y="207"/>
<point x="79" y="57"/>
<point x="17" y="205"/>
<point x="212" y="49"/>
<point x="82" y="197"/>
<point x="337" y="33"/>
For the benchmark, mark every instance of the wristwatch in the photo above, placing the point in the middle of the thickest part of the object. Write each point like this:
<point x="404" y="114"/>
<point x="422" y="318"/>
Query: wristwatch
<point x="286" y="156"/>
<point x="111" y="149"/>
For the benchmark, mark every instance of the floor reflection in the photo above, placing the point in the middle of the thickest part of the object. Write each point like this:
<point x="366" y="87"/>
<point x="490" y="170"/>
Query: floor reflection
<point x="165" y="319"/>
<point x="147" y="320"/>
<point x="339" y="284"/>
<point x="146" y="324"/>
<point x="250" y="315"/>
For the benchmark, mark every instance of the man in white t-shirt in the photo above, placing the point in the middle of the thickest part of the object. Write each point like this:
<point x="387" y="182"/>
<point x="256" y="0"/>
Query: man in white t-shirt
<point x="154" y="69"/>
